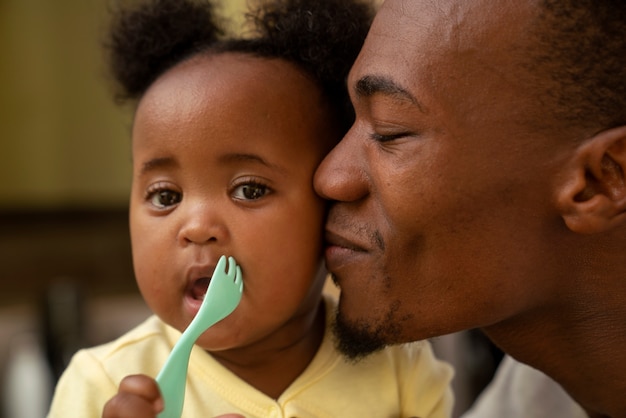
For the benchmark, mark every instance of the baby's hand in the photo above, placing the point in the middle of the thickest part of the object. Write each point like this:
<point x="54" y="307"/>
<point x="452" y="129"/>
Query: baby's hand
<point x="138" y="397"/>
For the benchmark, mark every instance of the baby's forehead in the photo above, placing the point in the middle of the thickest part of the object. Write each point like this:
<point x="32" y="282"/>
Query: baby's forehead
<point x="236" y="73"/>
<point x="240" y="98"/>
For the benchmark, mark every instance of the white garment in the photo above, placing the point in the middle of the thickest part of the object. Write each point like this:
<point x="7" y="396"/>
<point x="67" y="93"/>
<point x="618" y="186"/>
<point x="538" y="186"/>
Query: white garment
<point x="520" y="391"/>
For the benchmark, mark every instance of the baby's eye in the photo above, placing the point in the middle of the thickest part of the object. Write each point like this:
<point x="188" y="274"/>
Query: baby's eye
<point x="163" y="198"/>
<point x="250" y="191"/>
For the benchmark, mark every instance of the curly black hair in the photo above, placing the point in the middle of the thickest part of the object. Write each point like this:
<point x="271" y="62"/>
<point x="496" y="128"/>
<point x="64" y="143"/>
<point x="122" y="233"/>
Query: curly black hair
<point x="322" y="37"/>
<point x="148" y="39"/>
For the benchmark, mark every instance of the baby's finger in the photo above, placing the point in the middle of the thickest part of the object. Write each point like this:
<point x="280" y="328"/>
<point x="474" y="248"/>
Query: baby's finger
<point x="141" y="385"/>
<point x="138" y="397"/>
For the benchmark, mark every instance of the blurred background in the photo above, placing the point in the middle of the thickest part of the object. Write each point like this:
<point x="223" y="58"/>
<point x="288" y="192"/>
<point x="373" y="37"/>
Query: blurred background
<point x="66" y="278"/>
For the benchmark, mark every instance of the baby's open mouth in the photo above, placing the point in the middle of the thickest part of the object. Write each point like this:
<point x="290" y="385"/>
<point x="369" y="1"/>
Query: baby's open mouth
<point x="199" y="288"/>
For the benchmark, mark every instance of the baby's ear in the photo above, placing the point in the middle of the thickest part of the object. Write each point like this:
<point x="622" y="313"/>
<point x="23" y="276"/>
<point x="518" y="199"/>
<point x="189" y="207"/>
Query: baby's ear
<point x="593" y="197"/>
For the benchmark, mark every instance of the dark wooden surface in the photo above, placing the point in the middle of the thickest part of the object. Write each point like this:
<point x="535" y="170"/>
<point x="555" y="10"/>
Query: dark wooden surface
<point x="90" y="248"/>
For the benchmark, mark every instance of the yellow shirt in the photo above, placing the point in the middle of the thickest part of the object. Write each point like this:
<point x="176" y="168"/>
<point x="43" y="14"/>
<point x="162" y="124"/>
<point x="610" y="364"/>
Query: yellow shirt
<point x="400" y="381"/>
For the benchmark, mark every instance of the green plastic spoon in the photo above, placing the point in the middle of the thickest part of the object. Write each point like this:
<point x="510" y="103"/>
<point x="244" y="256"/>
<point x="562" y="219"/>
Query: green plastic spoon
<point x="222" y="297"/>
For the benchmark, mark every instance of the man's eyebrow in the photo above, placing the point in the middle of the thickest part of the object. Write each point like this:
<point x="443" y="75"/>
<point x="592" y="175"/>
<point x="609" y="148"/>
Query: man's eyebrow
<point x="370" y="85"/>
<point x="155" y="163"/>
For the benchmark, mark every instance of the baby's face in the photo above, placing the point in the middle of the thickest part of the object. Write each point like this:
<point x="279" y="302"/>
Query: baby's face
<point x="224" y="151"/>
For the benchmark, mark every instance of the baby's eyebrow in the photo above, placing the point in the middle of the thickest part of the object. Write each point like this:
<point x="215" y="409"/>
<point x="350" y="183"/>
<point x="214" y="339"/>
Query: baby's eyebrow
<point x="248" y="157"/>
<point x="155" y="163"/>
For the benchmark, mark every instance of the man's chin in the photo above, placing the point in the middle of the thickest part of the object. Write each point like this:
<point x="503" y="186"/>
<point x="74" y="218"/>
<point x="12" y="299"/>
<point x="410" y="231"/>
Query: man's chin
<point x="357" y="340"/>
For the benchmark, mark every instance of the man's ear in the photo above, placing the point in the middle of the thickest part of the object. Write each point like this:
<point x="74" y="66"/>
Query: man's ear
<point x="593" y="198"/>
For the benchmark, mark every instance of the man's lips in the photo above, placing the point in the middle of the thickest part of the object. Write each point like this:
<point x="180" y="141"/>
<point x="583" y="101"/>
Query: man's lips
<point x="341" y="251"/>
<point x="336" y="240"/>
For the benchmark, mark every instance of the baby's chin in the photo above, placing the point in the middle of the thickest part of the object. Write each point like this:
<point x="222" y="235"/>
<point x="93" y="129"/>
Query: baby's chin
<point x="219" y="341"/>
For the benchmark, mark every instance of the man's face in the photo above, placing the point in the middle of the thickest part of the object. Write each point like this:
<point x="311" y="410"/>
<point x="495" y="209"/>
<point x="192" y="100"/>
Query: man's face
<point x="443" y="190"/>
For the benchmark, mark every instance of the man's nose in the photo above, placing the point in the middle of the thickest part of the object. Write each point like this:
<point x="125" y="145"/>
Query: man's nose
<point x="341" y="176"/>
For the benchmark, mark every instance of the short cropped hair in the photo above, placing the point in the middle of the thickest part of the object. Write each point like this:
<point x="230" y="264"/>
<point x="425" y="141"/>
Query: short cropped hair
<point x="581" y="46"/>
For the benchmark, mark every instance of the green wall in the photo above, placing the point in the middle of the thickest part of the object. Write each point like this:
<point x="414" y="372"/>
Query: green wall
<point x="64" y="143"/>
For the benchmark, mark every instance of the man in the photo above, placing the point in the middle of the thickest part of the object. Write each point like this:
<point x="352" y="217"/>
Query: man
<point x="483" y="185"/>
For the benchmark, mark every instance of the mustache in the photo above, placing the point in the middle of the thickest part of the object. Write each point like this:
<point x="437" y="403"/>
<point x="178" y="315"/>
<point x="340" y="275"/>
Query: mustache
<point x="346" y="224"/>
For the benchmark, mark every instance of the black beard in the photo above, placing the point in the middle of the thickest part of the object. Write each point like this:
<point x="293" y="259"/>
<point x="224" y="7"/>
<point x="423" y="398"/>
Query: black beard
<point x="357" y="340"/>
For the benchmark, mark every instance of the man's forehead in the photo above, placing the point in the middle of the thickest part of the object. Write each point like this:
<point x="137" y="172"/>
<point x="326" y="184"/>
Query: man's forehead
<point x="421" y="30"/>
<point x="444" y="15"/>
<point x="402" y="23"/>
<point x="425" y="12"/>
<point x="446" y="55"/>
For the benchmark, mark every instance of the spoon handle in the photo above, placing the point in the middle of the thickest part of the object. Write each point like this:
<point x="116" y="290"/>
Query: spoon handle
<point x="172" y="378"/>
